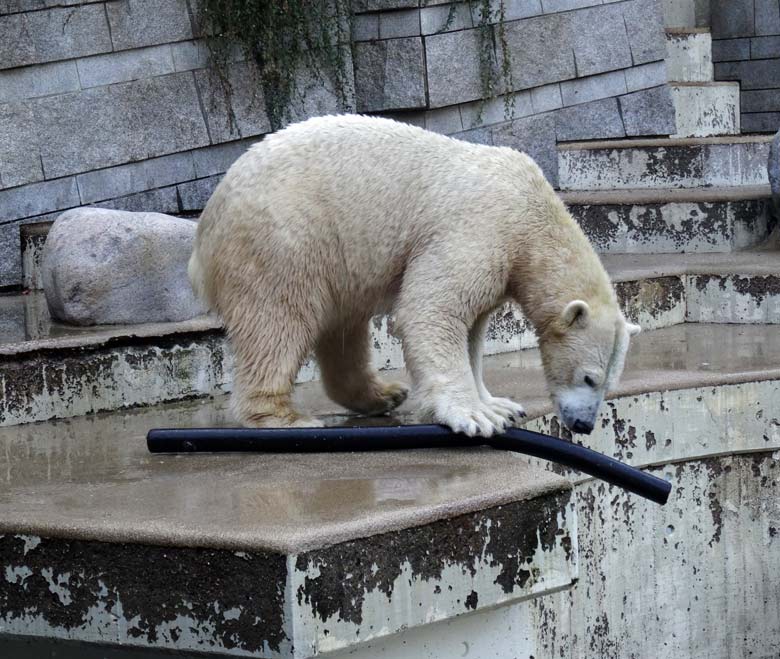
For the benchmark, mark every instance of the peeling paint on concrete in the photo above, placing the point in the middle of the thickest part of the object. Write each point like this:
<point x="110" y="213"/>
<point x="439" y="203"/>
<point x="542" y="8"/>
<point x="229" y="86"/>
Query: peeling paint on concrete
<point x="357" y="591"/>
<point x="664" y="163"/>
<point x="189" y="599"/>
<point x="691" y="227"/>
<point x="733" y="299"/>
<point x="653" y="303"/>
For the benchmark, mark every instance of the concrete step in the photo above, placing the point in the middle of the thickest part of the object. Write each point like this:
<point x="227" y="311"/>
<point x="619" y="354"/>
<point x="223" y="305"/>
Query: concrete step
<point x="297" y="555"/>
<point x="664" y="163"/>
<point x="51" y="371"/>
<point x="689" y="55"/>
<point x="674" y="220"/>
<point x="706" y="109"/>
<point x="620" y="221"/>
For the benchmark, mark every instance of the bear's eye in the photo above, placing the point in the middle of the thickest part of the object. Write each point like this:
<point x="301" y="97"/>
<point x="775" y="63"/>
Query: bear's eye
<point x="590" y="382"/>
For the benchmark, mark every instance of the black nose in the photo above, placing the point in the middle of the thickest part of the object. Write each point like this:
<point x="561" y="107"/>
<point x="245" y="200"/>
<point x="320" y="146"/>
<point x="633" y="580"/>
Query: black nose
<point x="582" y="427"/>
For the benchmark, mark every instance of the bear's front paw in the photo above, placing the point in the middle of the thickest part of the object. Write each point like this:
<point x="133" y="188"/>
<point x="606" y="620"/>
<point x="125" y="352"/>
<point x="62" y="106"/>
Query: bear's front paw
<point x="472" y="419"/>
<point x="506" y="409"/>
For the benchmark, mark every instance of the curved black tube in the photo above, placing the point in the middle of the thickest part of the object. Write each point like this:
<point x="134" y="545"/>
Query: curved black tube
<point x="391" y="438"/>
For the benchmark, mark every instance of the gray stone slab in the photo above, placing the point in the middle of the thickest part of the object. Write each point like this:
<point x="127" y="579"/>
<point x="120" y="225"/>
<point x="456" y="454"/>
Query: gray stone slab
<point x="194" y="194"/>
<point x="765" y="47"/>
<point x="365" y="27"/>
<point x="361" y="6"/>
<point x="20" y="162"/>
<point x="444" y="120"/>
<point x="116" y="124"/>
<point x="390" y="74"/>
<point x="189" y="55"/>
<point x="730" y="50"/>
<point x="494" y="110"/>
<point x="513" y="10"/>
<point x="445" y="18"/>
<point x="546" y="98"/>
<point x="732" y="18"/>
<point x="137" y="23"/>
<point x="115" y="267"/>
<point x="767" y="16"/>
<point x="551" y="6"/>
<point x="760" y="122"/>
<point x="535" y="136"/>
<point x="589" y="121"/>
<point x="217" y="159"/>
<point x="645" y="26"/>
<point x="125" y="65"/>
<point x="476" y="136"/>
<point x="760" y="100"/>
<point x="42" y="80"/>
<point x="756" y="74"/>
<point x="38" y="198"/>
<point x="396" y="24"/>
<point x="135" y="177"/>
<point x="453" y="68"/>
<point x="161" y="200"/>
<point x="10" y="255"/>
<point x="18" y="6"/>
<point x="54" y="34"/>
<point x="536" y="56"/>
<point x="593" y="88"/>
<point x="598" y="38"/>
<point x="648" y="112"/>
<point x="645" y="75"/>
<point x="246" y="101"/>
<point x="773" y="169"/>
<point x="317" y="94"/>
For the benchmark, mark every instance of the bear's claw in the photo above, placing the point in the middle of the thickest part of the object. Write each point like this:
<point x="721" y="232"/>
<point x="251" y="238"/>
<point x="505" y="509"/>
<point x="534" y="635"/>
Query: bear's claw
<point x="507" y="409"/>
<point x="472" y="420"/>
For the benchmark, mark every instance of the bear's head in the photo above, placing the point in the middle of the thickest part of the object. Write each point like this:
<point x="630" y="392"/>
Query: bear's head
<point x="583" y="353"/>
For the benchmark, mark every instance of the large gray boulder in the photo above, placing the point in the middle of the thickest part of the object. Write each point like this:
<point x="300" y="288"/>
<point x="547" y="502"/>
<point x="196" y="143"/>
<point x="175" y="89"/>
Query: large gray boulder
<point x="104" y="266"/>
<point x="774" y="172"/>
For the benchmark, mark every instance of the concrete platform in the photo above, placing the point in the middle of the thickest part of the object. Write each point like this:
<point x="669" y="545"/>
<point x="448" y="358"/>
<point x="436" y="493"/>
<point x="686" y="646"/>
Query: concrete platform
<point x="680" y="220"/>
<point x="664" y="163"/>
<point x="299" y="555"/>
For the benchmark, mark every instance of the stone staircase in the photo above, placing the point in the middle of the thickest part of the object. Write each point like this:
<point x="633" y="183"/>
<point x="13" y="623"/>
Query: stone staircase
<point x="382" y="554"/>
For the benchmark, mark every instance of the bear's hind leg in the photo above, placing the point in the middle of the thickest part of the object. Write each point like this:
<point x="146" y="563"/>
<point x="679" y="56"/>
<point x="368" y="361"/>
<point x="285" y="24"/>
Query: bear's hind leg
<point x="268" y="356"/>
<point x="344" y="357"/>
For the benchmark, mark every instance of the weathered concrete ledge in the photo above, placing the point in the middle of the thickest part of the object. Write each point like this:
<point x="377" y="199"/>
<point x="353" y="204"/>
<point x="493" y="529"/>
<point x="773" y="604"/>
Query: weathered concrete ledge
<point x="363" y="546"/>
<point x="664" y="163"/>
<point x="290" y="557"/>
<point x="51" y="371"/>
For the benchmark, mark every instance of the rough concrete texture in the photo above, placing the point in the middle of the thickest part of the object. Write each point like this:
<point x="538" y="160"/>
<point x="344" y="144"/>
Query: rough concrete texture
<point x="706" y="109"/>
<point x="258" y="603"/>
<point x="773" y="170"/>
<point x="628" y="227"/>
<point x="689" y="55"/>
<point x="664" y="163"/>
<point x="112" y="267"/>
<point x="696" y="578"/>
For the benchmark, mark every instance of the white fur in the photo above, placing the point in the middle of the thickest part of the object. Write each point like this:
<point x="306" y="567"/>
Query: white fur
<point x="333" y="220"/>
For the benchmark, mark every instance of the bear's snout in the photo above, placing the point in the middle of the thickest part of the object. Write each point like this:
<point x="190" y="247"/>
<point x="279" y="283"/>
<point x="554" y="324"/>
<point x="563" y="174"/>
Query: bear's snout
<point x="583" y="427"/>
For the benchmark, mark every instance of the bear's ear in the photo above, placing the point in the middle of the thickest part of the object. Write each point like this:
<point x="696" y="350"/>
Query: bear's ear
<point x="576" y="313"/>
<point x="633" y="330"/>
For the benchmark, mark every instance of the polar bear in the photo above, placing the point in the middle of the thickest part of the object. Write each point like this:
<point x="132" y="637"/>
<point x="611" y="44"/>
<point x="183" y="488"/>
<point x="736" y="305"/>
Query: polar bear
<point x="335" y="219"/>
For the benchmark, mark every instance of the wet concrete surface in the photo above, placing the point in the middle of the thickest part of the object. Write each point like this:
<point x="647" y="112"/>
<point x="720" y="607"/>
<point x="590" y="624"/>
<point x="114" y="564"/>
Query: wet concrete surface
<point x="92" y="478"/>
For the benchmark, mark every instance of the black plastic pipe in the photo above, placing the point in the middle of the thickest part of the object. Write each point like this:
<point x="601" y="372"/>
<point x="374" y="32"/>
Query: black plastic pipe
<point x="392" y="438"/>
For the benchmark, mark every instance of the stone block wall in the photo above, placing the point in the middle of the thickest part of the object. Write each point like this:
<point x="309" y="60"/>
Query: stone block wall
<point x="111" y="103"/>
<point x="746" y="48"/>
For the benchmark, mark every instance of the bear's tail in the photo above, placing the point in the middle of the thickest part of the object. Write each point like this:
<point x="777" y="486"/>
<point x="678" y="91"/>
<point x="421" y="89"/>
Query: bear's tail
<point x="197" y="280"/>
